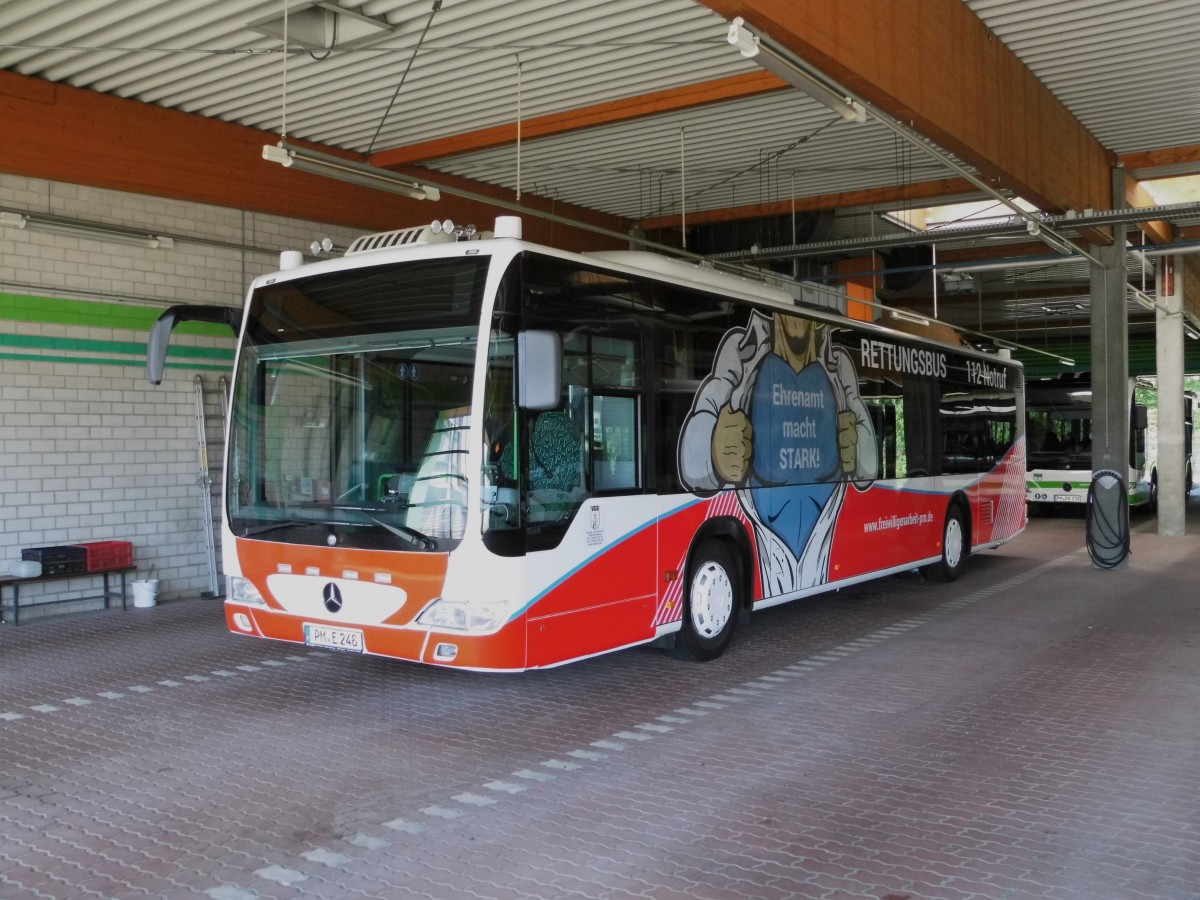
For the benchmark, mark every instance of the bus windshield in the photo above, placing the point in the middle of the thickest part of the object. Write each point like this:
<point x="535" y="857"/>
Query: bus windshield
<point x="1060" y="429"/>
<point x="352" y="405"/>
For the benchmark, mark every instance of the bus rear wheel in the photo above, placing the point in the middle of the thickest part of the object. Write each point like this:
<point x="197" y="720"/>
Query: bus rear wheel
<point x="954" y="548"/>
<point x="711" y="605"/>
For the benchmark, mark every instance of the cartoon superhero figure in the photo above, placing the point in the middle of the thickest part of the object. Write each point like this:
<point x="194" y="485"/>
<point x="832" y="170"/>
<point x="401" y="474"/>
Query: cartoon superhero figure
<point x="780" y="419"/>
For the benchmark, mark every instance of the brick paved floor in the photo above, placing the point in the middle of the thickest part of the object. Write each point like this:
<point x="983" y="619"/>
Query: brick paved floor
<point x="1029" y="731"/>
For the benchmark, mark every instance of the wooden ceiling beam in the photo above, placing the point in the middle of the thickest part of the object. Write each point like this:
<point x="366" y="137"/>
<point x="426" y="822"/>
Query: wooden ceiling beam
<point x="737" y="87"/>
<point x="1191" y="287"/>
<point x="61" y="133"/>
<point x="1158" y="231"/>
<point x="934" y="64"/>
<point x="1172" y="160"/>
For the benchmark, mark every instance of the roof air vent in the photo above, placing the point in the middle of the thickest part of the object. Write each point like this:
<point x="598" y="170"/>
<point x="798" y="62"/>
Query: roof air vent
<point x="405" y="237"/>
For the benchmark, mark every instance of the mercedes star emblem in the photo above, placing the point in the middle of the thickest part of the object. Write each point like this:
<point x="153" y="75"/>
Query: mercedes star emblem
<point x="333" y="597"/>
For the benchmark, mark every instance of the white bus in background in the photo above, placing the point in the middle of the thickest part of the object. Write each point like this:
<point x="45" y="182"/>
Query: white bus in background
<point x="1059" y="433"/>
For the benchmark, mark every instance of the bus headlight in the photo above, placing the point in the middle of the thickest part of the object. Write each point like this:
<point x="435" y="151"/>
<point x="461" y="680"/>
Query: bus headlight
<point x="242" y="590"/>
<point x="460" y="615"/>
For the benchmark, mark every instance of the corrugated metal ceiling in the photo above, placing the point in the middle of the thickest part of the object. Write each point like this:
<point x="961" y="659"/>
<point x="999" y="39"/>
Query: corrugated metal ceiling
<point x="1129" y="72"/>
<point x="199" y="56"/>
<point x="726" y="155"/>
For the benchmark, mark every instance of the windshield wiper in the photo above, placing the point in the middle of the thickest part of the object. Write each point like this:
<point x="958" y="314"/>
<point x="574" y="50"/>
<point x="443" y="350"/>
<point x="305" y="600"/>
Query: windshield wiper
<point x="263" y="529"/>
<point x="424" y="541"/>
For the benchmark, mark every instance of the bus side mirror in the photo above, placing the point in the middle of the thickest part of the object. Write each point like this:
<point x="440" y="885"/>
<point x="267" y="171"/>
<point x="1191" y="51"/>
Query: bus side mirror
<point x="160" y="333"/>
<point x="539" y="369"/>
<point x="1140" y="418"/>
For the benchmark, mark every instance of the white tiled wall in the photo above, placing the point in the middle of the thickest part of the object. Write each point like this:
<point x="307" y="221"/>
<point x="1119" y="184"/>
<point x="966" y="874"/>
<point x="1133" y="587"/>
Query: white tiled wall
<point x="92" y="451"/>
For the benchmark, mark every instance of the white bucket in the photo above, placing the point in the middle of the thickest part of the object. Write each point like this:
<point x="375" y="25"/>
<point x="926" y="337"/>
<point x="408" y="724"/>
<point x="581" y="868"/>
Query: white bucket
<point x="145" y="593"/>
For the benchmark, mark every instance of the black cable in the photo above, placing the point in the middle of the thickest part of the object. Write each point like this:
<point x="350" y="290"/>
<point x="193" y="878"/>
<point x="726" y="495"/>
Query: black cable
<point x="1108" y="540"/>
<point x="332" y="44"/>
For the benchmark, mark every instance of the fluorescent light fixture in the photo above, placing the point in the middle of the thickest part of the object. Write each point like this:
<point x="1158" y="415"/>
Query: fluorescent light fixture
<point x="1049" y="238"/>
<point x="1146" y="300"/>
<point x="348" y="171"/>
<point x="1166" y="250"/>
<point x="94" y="231"/>
<point x="1015" y="263"/>
<point x="1010" y="346"/>
<point x="908" y="317"/>
<point x="779" y="60"/>
<point x="803" y="76"/>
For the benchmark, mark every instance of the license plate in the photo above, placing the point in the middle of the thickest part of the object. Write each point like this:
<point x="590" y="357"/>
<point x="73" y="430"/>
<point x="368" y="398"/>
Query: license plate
<point x="330" y="637"/>
<point x="1068" y="498"/>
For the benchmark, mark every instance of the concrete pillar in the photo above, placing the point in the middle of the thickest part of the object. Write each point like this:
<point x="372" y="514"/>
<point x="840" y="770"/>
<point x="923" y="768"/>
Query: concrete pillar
<point x="1169" y="349"/>
<point x="1110" y="362"/>
<point x="1108" y="510"/>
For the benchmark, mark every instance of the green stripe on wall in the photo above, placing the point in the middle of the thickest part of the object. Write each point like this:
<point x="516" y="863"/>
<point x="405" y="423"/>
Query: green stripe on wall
<point x="108" y="361"/>
<point x="94" y="314"/>
<point x="84" y="345"/>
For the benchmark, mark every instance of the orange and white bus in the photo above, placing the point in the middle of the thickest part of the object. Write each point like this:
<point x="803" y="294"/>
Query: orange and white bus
<point x="492" y="455"/>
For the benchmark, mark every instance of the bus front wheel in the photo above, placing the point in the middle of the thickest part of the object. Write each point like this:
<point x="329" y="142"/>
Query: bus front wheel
<point x="954" y="548"/>
<point x="711" y="605"/>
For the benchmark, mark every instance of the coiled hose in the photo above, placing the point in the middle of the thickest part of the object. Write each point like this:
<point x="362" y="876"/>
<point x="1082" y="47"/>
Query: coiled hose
<point x="1107" y="519"/>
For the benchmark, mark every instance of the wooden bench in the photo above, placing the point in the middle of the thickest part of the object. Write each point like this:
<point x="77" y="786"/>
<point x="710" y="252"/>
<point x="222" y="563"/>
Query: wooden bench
<point x="111" y="591"/>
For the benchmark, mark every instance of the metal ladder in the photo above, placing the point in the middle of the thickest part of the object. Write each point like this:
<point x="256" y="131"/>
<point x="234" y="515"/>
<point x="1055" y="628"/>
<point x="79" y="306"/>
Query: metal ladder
<point x="204" y="482"/>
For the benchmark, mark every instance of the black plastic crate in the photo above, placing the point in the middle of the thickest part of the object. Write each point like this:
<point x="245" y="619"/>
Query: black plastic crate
<point x="58" y="560"/>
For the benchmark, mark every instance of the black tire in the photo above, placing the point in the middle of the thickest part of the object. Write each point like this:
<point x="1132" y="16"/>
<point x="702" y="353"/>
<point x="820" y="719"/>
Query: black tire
<point x="955" y="548"/>
<point x="712" y="602"/>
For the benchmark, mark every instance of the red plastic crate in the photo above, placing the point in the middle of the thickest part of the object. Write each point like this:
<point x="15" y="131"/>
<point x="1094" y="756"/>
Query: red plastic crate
<point x="103" y="555"/>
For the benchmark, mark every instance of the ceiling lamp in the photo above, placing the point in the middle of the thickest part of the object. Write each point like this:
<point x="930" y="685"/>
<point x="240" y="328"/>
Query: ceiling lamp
<point x="1143" y="253"/>
<point x="1049" y="238"/>
<point x="913" y="318"/>
<point x="94" y="231"/>
<point x="795" y="71"/>
<point x="348" y="171"/>
<point x="777" y="59"/>
<point x="321" y="25"/>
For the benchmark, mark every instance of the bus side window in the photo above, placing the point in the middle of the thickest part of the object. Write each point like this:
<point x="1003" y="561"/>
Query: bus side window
<point x="886" y="423"/>
<point x="921" y="427"/>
